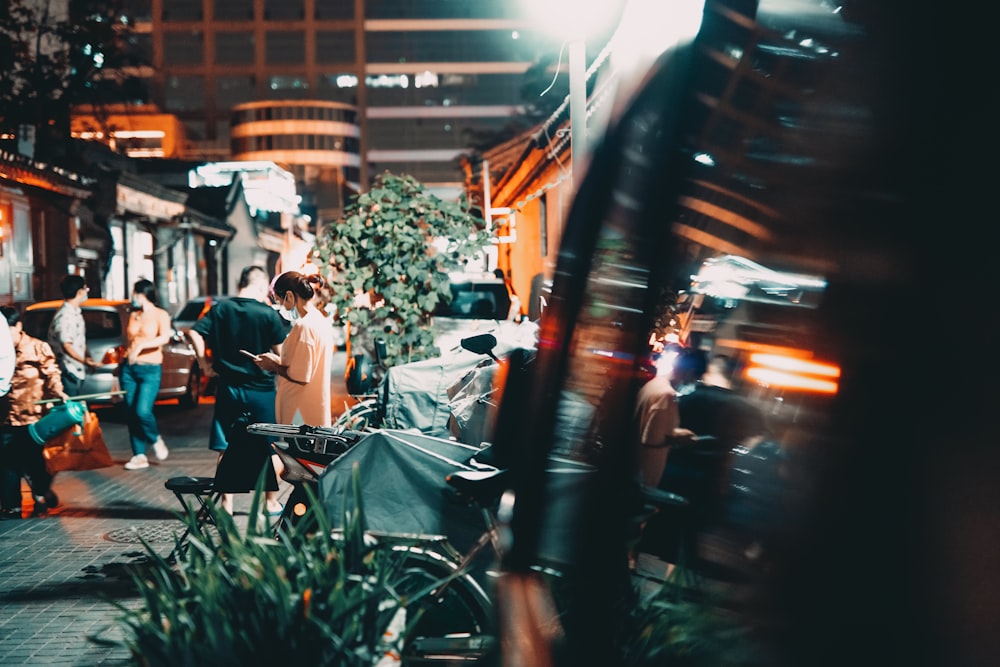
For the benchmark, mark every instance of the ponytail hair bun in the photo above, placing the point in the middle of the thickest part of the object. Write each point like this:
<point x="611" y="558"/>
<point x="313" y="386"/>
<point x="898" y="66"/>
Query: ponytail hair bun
<point x="315" y="281"/>
<point x="296" y="283"/>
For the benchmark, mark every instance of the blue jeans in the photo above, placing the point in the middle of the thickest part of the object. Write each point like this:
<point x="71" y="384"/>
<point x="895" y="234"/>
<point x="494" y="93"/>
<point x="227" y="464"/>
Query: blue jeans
<point x="141" y="384"/>
<point x="230" y="403"/>
<point x="72" y="385"/>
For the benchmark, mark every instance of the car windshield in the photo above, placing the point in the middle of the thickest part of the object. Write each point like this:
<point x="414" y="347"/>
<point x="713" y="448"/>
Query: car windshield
<point x="476" y="301"/>
<point x="193" y="310"/>
<point x="100" y="323"/>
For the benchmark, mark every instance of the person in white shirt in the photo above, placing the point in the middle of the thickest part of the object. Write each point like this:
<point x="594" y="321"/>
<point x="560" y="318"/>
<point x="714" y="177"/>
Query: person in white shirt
<point x="303" y="369"/>
<point x="68" y="335"/>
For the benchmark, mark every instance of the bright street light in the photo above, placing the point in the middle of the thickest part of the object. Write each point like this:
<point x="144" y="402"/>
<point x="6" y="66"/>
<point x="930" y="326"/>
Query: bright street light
<point x="646" y="28"/>
<point x="573" y="21"/>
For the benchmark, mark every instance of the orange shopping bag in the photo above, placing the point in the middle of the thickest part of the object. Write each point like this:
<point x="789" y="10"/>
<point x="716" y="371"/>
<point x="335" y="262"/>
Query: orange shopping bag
<point x="78" y="450"/>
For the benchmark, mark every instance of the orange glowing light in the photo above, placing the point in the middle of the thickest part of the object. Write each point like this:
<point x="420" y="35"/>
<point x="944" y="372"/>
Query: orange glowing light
<point x="796" y="372"/>
<point x="795" y="365"/>
<point x="781" y="379"/>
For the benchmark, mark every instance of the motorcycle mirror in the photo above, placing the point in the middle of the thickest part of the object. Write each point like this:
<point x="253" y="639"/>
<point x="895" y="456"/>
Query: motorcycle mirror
<point x="481" y="344"/>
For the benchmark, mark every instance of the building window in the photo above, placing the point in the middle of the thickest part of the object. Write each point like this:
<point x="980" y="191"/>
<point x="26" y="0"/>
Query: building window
<point x="138" y="10"/>
<point x="233" y="10"/>
<point x="450" y="46"/>
<point x="182" y="10"/>
<point x="234" y="48"/>
<point x="451" y="90"/>
<point x="196" y="130"/>
<point x="429" y="133"/>
<point x="233" y="90"/>
<point x="286" y="48"/>
<point x="183" y="48"/>
<point x="284" y="10"/>
<point x="185" y="93"/>
<point x="334" y="11"/>
<point x="334" y="46"/>
<point x="408" y="9"/>
<point x="293" y="86"/>
<point x="140" y="45"/>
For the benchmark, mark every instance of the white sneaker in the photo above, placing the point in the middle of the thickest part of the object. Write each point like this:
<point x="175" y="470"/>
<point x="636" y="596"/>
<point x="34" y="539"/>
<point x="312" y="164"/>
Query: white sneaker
<point x="137" y="462"/>
<point x="160" y="449"/>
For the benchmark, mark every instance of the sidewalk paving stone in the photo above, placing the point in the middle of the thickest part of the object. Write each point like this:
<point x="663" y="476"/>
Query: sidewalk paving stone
<point x="58" y="573"/>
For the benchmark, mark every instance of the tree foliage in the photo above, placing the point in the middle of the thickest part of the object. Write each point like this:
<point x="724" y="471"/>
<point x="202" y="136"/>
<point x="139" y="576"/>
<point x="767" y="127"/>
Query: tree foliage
<point x="396" y="244"/>
<point x="60" y="54"/>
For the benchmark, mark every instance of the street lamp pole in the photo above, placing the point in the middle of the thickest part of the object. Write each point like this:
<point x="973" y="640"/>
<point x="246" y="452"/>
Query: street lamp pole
<point x="578" y="105"/>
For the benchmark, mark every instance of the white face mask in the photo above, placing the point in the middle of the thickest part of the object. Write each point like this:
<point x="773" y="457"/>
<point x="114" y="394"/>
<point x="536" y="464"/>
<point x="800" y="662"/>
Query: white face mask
<point x="290" y="314"/>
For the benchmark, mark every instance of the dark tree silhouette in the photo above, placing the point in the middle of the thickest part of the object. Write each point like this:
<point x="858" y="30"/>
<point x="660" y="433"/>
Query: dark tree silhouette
<point x="59" y="55"/>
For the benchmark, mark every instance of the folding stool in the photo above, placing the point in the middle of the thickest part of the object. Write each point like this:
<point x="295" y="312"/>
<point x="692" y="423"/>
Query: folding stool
<point x="202" y="490"/>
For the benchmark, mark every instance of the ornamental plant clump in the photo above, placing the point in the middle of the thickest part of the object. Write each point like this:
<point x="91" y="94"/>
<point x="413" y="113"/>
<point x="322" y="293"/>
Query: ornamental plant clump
<point x="235" y="599"/>
<point x="396" y="245"/>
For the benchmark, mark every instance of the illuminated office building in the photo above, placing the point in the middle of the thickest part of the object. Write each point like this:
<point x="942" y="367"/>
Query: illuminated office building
<point x="422" y="75"/>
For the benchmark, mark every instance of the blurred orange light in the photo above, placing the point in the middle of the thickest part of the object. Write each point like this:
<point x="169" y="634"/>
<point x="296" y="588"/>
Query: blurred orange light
<point x="793" y="372"/>
<point x="775" y="378"/>
<point x="794" y="365"/>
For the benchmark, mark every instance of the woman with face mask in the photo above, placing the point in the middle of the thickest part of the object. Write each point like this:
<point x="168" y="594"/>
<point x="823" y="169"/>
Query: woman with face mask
<point x="304" y="367"/>
<point x="148" y="330"/>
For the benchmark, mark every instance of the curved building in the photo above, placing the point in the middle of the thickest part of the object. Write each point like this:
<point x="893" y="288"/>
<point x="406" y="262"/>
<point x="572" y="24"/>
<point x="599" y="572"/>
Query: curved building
<point x="318" y="141"/>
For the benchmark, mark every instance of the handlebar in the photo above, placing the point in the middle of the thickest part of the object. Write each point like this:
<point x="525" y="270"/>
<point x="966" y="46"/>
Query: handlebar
<point x="294" y="431"/>
<point x="311" y="442"/>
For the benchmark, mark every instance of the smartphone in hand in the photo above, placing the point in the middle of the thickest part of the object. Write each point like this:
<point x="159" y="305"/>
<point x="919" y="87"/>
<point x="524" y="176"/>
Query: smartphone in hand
<point x="253" y="356"/>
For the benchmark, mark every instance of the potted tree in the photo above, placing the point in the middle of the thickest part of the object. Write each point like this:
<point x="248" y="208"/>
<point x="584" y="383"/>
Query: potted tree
<point x="388" y="259"/>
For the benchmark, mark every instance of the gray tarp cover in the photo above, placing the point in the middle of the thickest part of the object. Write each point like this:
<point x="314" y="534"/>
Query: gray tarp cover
<point x="416" y="394"/>
<point x="403" y="490"/>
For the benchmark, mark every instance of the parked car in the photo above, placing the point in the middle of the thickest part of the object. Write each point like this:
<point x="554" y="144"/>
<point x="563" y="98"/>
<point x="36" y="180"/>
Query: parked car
<point x="194" y="310"/>
<point x="106" y="320"/>
<point x="480" y="303"/>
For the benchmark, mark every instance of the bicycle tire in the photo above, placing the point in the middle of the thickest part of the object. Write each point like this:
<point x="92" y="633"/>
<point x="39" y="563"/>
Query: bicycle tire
<point x="457" y="626"/>
<point x="358" y="417"/>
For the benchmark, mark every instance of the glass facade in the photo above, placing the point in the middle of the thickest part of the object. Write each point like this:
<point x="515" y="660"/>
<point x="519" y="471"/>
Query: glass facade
<point x="183" y="48"/>
<point x="438" y="9"/>
<point x="284" y="10"/>
<point x="233" y="90"/>
<point x="277" y="50"/>
<point x="449" y="46"/>
<point x="185" y="93"/>
<point x="287" y="87"/>
<point x="334" y="11"/>
<point x="234" y="48"/>
<point x="138" y="10"/>
<point x="334" y="46"/>
<point x="285" y="48"/>
<point x="452" y="90"/>
<point x="182" y="10"/>
<point x="427" y="133"/>
<point x="426" y="172"/>
<point x="295" y="142"/>
<point x="232" y="10"/>
<point x="296" y="112"/>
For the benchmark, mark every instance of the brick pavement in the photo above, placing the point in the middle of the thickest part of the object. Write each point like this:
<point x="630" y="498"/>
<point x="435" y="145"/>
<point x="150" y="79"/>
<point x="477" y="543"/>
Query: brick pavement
<point x="57" y="573"/>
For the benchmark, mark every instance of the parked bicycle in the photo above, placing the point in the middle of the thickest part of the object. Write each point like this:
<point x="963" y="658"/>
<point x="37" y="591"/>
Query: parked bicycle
<point x="444" y="613"/>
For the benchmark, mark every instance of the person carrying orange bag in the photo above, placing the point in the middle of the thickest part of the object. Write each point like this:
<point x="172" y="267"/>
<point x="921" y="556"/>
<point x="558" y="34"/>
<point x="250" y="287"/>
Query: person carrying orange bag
<point x="36" y="376"/>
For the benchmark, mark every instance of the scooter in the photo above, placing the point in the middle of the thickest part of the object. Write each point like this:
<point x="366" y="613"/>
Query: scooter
<point x="304" y="451"/>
